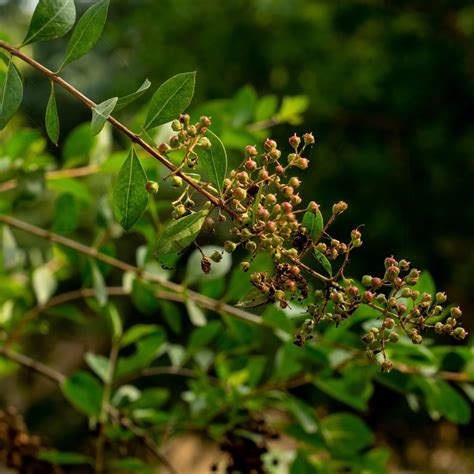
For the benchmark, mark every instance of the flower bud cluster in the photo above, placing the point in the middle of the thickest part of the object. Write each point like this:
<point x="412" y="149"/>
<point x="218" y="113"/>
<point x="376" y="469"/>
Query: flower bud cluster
<point x="188" y="136"/>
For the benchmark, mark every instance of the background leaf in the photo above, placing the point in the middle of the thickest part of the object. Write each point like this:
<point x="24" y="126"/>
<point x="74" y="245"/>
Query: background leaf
<point x="11" y="94"/>
<point x="171" y="99"/>
<point x="51" y="118"/>
<point x="84" y="392"/>
<point x="129" y="196"/>
<point x="87" y="31"/>
<point x="313" y="221"/>
<point x="51" y="19"/>
<point x="214" y="160"/>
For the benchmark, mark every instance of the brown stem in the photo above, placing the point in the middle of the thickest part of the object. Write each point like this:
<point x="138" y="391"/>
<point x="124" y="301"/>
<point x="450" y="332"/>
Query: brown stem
<point x="56" y="174"/>
<point x="117" y="124"/>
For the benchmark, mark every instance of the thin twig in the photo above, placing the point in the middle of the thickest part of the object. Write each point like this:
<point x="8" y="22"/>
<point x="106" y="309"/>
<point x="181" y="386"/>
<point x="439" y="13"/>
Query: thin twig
<point x="202" y="300"/>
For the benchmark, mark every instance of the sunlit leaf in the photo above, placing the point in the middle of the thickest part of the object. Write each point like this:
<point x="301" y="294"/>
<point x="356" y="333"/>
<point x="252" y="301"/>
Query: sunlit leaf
<point x="170" y="100"/>
<point x="313" y="221"/>
<point x="87" y="31"/>
<point x="100" y="114"/>
<point x="180" y="233"/>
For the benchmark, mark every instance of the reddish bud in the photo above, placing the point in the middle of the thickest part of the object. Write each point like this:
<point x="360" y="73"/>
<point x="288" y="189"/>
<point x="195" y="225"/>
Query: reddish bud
<point x="295" y="141"/>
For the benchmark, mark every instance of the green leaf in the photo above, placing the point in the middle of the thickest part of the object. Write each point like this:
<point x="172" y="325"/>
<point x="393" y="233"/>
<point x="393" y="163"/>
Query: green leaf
<point x="147" y="349"/>
<point x="84" y="392"/>
<point x="444" y="400"/>
<point x="323" y="260"/>
<point x="98" y="364"/>
<point x="214" y="160"/>
<point x="66" y="214"/>
<point x="51" y="19"/>
<point x="129" y="196"/>
<point x="130" y="465"/>
<point x="51" y="118"/>
<point x="313" y="221"/>
<point x="115" y="322"/>
<point x="201" y="337"/>
<point x="87" y="31"/>
<point x="195" y="313"/>
<point x="346" y="433"/>
<point x="12" y="93"/>
<point x="170" y="100"/>
<point x="181" y="233"/>
<point x="99" y="285"/>
<point x="137" y="332"/>
<point x="303" y="465"/>
<point x="65" y="458"/>
<point x="128" y="99"/>
<point x="100" y="114"/>
<point x="292" y="108"/>
<point x="303" y="413"/>
<point x="44" y="284"/>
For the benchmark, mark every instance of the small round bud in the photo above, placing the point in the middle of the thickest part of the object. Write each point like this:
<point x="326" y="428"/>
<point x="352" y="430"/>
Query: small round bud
<point x="387" y="366"/>
<point x="441" y="297"/>
<point x="456" y="312"/>
<point x="176" y="181"/>
<point x="367" y="280"/>
<point x="274" y="154"/>
<point x="308" y="139"/>
<point x="229" y="246"/>
<point x="290" y="285"/>
<point x="180" y="210"/>
<point x="176" y="125"/>
<point x="302" y="163"/>
<point x="244" y="266"/>
<point x="205" y="264"/>
<point x="205" y="121"/>
<point x="394" y="337"/>
<point x="216" y="256"/>
<point x="294" y="181"/>
<point x="404" y="265"/>
<point x="391" y="273"/>
<point x="251" y="246"/>
<point x="377" y="282"/>
<point x="184" y="118"/>
<point x="270" y="199"/>
<point x="174" y="141"/>
<point x="295" y="141"/>
<point x="279" y="169"/>
<point x="288" y="191"/>
<point x="295" y="200"/>
<point x="251" y="150"/>
<point x="355" y="234"/>
<point x="339" y="207"/>
<point x="239" y="193"/>
<point x="459" y="333"/>
<point x="286" y="207"/>
<point x="269" y="144"/>
<point x="164" y="148"/>
<point x="389" y="323"/>
<point x="271" y="226"/>
<point x="280" y="295"/>
<point x="205" y="143"/>
<point x="251" y="165"/>
<point x="263" y="175"/>
<point x="368" y="296"/>
<point x="152" y="187"/>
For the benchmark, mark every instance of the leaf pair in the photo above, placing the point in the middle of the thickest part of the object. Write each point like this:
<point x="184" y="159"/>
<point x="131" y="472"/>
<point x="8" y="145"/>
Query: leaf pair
<point x="54" y="18"/>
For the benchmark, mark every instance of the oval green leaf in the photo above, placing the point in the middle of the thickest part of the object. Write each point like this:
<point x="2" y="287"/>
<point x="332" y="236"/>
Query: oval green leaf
<point x="98" y="283"/>
<point x="12" y="93"/>
<point x="214" y="160"/>
<point x="171" y="99"/>
<point x="51" y="19"/>
<point x="181" y="233"/>
<point x="128" y="99"/>
<point x="84" y="392"/>
<point x="129" y="196"/>
<point x="52" y="118"/>
<point x="87" y="31"/>
<point x="313" y="221"/>
<point x="100" y="114"/>
<point x="322" y="259"/>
